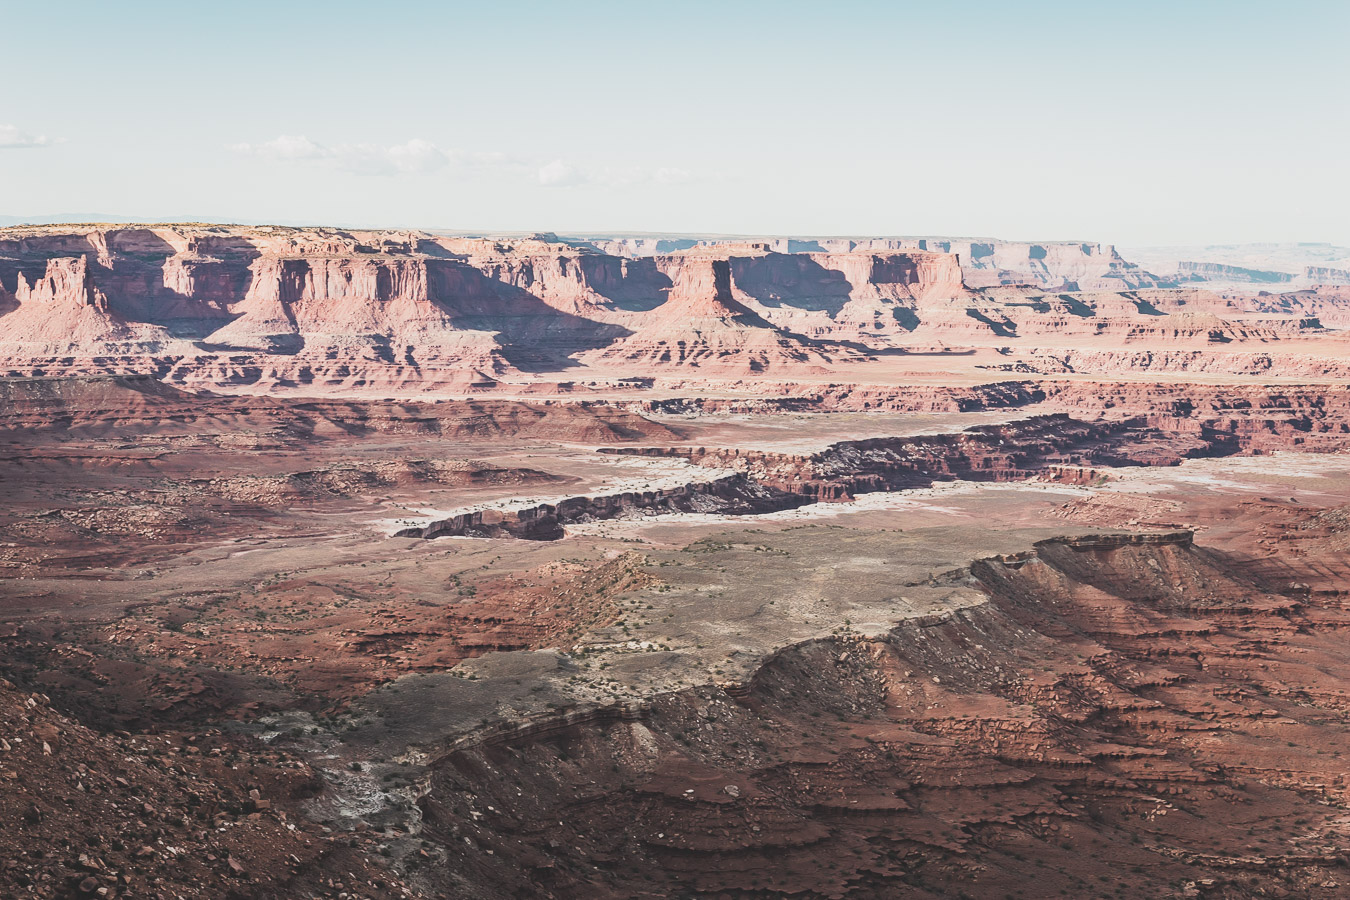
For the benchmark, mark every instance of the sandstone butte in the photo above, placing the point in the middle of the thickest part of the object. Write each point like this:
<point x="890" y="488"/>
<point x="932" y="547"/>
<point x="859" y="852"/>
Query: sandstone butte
<point x="401" y="313"/>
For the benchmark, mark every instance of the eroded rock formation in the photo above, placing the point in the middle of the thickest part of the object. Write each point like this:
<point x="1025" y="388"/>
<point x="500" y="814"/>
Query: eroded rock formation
<point x="325" y="310"/>
<point x="1134" y="694"/>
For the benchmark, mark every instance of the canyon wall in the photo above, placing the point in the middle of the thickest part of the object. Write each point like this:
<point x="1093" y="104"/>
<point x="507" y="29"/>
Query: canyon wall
<point x="325" y="310"/>
<point x="1059" y="265"/>
<point x="1160" y="427"/>
<point x="1188" y="270"/>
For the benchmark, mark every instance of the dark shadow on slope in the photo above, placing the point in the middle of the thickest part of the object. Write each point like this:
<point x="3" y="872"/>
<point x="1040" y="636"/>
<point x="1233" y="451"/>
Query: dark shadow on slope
<point x="780" y="279"/>
<point x="632" y="285"/>
<point x="534" y="337"/>
<point x="1077" y="307"/>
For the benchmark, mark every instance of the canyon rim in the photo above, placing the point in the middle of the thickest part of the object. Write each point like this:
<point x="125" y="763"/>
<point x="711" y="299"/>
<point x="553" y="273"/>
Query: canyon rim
<point x="941" y="490"/>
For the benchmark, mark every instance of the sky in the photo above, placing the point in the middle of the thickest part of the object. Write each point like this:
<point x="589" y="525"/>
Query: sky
<point x="1136" y="123"/>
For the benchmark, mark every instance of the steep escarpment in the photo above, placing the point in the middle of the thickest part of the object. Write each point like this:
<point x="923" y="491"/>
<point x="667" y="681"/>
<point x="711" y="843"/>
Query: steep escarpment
<point x="137" y="405"/>
<point x="732" y="495"/>
<point x="1260" y="419"/>
<point x="1137" y="426"/>
<point x="1188" y="270"/>
<point x="64" y="309"/>
<point x="1124" y="714"/>
<point x="1326" y="275"/>
<point x="1050" y="446"/>
<point x="326" y="311"/>
<point x="861" y="296"/>
<point x="701" y="324"/>
<point x="1328" y="302"/>
<point x="333" y="318"/>
<point x="1059" y="265"/>
<point x="1120" y="425"/>
<point x="1063" y="265"/>
<point x="283" y="308"/>
<point x="1054" y="447"/>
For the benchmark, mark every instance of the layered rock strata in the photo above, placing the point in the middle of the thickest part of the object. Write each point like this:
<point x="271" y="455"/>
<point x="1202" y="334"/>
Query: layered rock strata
<point x="332" y="311"/>
<point x="1133" y="694"/>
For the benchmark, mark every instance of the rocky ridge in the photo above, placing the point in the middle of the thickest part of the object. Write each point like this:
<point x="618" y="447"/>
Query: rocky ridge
<point x="332" y="311"/>
<point x="1131" y="693"/>
<point x="1162" y="427"/>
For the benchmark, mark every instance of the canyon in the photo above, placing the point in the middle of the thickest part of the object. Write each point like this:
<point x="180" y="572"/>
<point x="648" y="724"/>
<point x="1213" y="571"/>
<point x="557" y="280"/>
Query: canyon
<point x="270" y="310"/>
<point x="393" y="564"/>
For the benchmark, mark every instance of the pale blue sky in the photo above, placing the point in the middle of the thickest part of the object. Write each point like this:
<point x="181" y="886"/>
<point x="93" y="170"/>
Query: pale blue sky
<point x="1141" y="122"/>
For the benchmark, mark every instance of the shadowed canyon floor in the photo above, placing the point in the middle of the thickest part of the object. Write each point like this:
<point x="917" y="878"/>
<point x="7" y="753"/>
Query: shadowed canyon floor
<point x="639" y="610"/>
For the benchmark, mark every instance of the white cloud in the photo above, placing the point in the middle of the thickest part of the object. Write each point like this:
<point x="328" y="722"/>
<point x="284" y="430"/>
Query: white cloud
<point x="11" y="138"/>
<point x="666" y="175"/>
<point x="287" y="147"/>
<point x="415" y="157"/>
<point x="422" y="157"/>
<point x="560" y="173"/>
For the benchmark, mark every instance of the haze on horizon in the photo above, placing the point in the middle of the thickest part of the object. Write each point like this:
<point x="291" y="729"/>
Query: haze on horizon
<point x="1146" y="123"/>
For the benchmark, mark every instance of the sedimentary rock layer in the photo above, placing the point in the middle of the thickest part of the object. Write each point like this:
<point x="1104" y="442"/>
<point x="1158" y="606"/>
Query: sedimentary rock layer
<point x="1054" y="447"/>
<point x="1136" y="694"/>
<point x="331" y="311"/>
<point x="143" y="404"/>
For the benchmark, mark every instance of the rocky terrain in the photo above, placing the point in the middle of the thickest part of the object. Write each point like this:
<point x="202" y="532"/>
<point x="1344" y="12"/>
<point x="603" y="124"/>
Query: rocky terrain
<point x="200" y="814"/>
<point x="357" y="564"/>
<point x="1128" y="694"/>
<point x="325" y="311"/>
<point x="1058" y="265"/>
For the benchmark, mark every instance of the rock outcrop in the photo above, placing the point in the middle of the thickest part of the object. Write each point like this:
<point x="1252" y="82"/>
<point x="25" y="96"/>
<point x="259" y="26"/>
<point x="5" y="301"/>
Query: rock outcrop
<point x="1326" y="275"/>
<point x="144" y="404"/>
<point x="189" y="814"/>
<point x="327" y="311"/>
<point x="65" y="308"/>
<point x="1188" y="270"/>
<point x="1173" y="427"/>
<point x="702" y="324"/>
<point x="1136" y="694"/>
<point x="1061" y="265"/>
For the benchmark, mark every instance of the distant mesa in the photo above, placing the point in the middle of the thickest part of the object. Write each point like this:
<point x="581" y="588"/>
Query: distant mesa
<point x="328" y="310"/>
<point x="1202" y="271"/>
